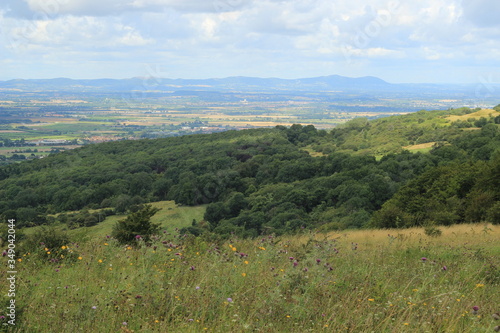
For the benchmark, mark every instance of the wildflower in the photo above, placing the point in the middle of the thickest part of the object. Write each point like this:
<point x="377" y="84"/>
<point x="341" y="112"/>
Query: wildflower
<point x="48" y="252"/>
<point x="229" y="299"/>
<point x="246" y="262"/>
<point x="138" y="296"/>
<point x="63" y="247"/>
<point x="94" y="307"/>
<point x="138" y="237"/>
<point x="19" y="260"/>
<point x="479" y="285"/>
<point x="318" y="261"/>
<point x="106" y="244"/>
<point x="371" y="299"/>
<point x="445" y="268"/>
<point x="124" y="323"/>
<point x="243" y="274"/>
<point x="295" y="263"/>
<point x="99" y="261"/>
<point x="291" y="258"/>
<point x="108" y="236"/>
<point x="305" y="269"/>
<point x="191" y="268"/>
<point x="57" y="270"/>
<point x="4" y="253"/>
<point x="197" y="287"/>
<point x="424" y="259"/>
<point x="475" y="309"/>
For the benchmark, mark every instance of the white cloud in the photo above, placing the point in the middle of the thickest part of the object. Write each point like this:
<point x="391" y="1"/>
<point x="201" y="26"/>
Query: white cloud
<point x="211" y="37"/>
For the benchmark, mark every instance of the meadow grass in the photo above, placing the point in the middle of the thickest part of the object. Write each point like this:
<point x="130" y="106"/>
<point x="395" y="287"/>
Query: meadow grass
<point x="353" y="281"/>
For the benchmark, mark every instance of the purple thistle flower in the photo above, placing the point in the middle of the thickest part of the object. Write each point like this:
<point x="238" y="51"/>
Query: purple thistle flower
<point x="4" y="253"/>
<point x="445" y="268"/>
<point x="138" y="237"/>
<point x="295" y="263"/>
<point x="191" y="268"/>
<point x="124" y="323"/>
<point x="423" y="259"/>
<point x="305" y="269"/>
<point x="138" y="296"/>
<point x="318" y="261"/>
<point x="291" y="258"/>
<point x="229" y="299"/>
<point x="475" y="308"/>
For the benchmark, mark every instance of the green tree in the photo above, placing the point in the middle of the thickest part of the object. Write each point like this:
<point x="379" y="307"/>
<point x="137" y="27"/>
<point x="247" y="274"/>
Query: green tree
<point x="137" y="225"/>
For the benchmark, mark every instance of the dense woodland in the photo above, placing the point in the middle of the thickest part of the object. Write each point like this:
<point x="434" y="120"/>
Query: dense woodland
<point x="267" y="181"/>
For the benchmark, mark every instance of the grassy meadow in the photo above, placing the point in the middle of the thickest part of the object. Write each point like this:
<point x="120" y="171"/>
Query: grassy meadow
<point x="353" y="281"/>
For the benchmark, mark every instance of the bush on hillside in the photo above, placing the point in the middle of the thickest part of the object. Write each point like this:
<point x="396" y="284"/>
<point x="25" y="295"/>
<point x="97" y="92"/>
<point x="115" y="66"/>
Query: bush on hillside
<point x="137" y="226"/>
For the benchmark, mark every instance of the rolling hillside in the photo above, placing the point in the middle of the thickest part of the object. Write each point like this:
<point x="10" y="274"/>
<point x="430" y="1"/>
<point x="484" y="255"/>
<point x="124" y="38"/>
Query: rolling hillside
<point x="266" y="182"/>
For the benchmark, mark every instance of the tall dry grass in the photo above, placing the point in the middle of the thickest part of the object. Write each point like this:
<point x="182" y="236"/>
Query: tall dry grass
<point x="354" y="281"/>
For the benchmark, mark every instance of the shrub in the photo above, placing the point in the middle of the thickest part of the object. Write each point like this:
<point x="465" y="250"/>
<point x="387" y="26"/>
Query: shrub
<point x="137" y="225"/>
<point x="432" y="231"/>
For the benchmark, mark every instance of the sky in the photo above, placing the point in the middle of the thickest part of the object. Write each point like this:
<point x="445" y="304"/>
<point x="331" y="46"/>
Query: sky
<point x="400" y="41"/>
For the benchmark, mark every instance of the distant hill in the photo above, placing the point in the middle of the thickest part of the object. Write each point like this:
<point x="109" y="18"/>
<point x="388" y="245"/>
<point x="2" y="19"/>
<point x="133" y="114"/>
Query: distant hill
<point x="236" y="83"/>
<point x="332" y="83"/>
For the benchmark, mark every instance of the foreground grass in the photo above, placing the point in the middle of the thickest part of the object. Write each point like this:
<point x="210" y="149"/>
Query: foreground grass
<point x="359" y="281"/>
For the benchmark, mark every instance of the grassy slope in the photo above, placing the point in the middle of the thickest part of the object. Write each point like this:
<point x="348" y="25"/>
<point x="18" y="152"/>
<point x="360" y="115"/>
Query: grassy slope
<point x="170" y="217"/>
<point x="395" y="133"/>
<point x="364" y="281"/>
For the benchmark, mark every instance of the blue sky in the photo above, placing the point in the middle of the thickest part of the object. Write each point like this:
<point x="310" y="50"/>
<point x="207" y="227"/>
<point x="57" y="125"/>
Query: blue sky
<point x="435" y="41"/>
